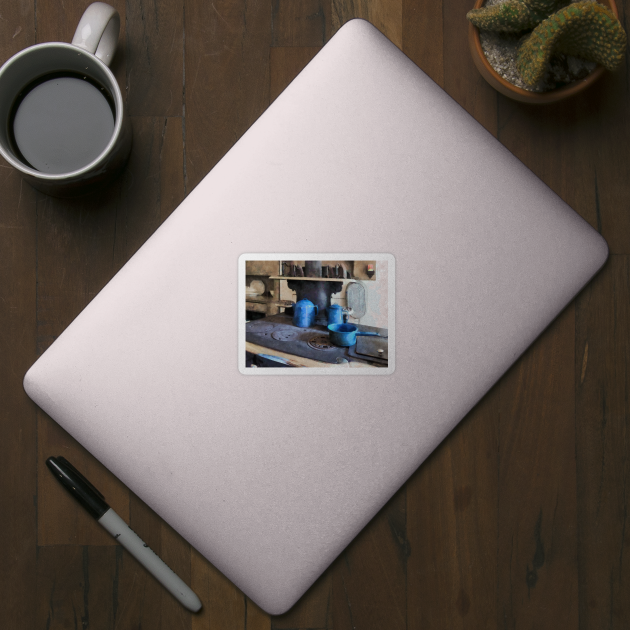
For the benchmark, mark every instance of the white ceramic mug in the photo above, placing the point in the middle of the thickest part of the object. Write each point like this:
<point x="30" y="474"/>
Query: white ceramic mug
<point x="87" y="57"/>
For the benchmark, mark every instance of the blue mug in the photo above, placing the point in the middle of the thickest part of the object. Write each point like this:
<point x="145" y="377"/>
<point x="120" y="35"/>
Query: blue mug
<point x="335" y="314"/>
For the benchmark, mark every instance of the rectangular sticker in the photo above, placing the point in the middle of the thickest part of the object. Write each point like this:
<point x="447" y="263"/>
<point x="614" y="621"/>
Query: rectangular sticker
<point x="320" y="313"/>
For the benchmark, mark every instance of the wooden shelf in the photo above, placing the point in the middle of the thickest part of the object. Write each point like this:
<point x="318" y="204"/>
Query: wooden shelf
<point x="346" y="280"/>
<point x="263" y="299"/>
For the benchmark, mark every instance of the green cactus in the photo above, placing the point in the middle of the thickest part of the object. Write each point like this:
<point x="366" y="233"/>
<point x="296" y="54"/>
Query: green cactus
<point x="583" y="29"/>
<point x="513" y="16"/>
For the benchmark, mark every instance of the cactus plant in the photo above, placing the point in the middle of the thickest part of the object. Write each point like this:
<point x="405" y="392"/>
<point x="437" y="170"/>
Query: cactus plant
<point x="513" y="16"/>
<point x="583" y="29"/>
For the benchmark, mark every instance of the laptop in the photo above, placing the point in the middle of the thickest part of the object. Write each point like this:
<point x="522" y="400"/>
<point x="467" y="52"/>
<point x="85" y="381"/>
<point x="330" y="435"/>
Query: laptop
<point x="269" y="472"/>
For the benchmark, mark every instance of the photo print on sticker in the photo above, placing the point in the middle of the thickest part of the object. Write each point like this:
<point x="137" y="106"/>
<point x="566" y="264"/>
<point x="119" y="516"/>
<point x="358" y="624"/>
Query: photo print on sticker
<point x="320" y="313"/>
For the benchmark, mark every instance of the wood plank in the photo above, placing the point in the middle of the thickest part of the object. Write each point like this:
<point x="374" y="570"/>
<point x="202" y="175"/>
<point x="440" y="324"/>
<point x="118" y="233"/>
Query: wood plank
<point x="74" y="248"/>
<point x="224" y="606"/>
<point x="313" y="609"/>
<point x="61" y="520"/>
<point x="558" y="148"/>
<point x="142" y="600"/>
<point x="422" y="36"/>
<point x="17" y="28"/>
<point x="452" y="526"/>
<point x="461" y="78"/>
<point x="255" y="617"/>
<point x="154" y="57"/>
<point x="369" y="577"/>
<point x="603" y="468"/>
<point x="226" y="78"/>
<point x="152" y="184"/>
<point x="18" y="421"/>
<point x="565" y="147"/>
<point x="608" y="127"/>
<point x="285" y="64"/>
<point x="573" y="147"/>
<point x="89" y="219"/>
<point x="18" y="415"/>
<point x="386" y="15"/>
<point x="76" y="587"/>
<point x="537" y="537"/>
<point x="171" y="160"/>
<point x="305" y="23"/>
<point x="55" y="23"/>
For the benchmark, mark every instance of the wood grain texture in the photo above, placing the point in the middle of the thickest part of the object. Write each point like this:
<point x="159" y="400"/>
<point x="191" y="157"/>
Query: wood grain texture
<point x="224" y="606"/>
<point x="285" y="64"/>
<point x="461" y="79"/>
<point x="57" y="22"/>
<point x="18" y="416"/>
<point x="369" y="577"/>
<point x="313" y="610"/>
<point x="574" y="149"/>
<point x="609" y="133"/>
<point x="151" y="187"/>
<point x="226" y="78"/>
<point x="452" y="516"/>
<point x="602" y="380"/>
<point x="386" y="15"/>
<point x="305" y="23"/>
<point x="537" y="510"/>
<point x="58" y="519"/>
<point x="559" y="148"/>
<point x="154" y="57"/>
<point x="422" y="36"/>
<point x="144" y="601"/>
<point x="76" y="587"/>
<point x="519" y="519"/>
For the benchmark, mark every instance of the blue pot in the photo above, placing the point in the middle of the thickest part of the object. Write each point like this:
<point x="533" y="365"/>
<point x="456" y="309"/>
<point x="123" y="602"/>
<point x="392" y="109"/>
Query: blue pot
<point x="346" y="334"/>
<point x="304" y="313"/>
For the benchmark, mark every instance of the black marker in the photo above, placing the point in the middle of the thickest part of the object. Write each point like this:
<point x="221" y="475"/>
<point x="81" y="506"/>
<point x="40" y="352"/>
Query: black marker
<point x="94" y="502"/>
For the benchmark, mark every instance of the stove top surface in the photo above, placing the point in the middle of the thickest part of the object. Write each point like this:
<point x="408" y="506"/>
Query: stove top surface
<point x="278" y="333"/>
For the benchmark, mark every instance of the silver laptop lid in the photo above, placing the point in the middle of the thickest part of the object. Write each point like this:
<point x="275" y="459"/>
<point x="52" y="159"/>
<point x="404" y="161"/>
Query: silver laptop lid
<point x="271" y="476"/>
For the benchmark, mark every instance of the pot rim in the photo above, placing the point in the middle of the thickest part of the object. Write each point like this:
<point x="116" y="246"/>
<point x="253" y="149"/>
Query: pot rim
<point x="333" y="328"/>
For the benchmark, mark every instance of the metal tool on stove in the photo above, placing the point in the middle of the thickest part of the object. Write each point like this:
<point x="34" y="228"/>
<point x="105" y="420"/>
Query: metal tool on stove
<point x="280" y="360"/>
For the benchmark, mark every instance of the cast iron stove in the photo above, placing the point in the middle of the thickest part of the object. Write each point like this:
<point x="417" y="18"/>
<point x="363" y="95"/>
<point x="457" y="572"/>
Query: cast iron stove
<point x="277" y="332"/>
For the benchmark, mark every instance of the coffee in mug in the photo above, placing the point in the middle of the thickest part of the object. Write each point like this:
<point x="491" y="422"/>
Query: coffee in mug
<point x="64" y="124"/>
<point x="61" y="122"/>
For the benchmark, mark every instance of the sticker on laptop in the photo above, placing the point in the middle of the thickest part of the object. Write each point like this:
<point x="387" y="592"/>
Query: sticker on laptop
<point x="320" y="313"/>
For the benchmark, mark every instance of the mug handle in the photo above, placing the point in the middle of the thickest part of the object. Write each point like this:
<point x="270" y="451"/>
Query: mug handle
<point x="98" y="31"/>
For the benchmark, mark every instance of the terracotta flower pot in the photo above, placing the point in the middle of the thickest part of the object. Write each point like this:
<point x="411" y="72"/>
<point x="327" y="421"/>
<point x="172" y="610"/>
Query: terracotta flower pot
<point x="519" y="94"/>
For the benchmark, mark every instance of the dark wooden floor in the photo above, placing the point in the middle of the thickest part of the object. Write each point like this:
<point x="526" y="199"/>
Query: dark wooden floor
<point x="518" y="520"/>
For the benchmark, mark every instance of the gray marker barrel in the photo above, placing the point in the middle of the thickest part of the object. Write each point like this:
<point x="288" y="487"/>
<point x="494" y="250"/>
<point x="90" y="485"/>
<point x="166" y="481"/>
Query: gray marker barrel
<point x="149" y="559"/>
